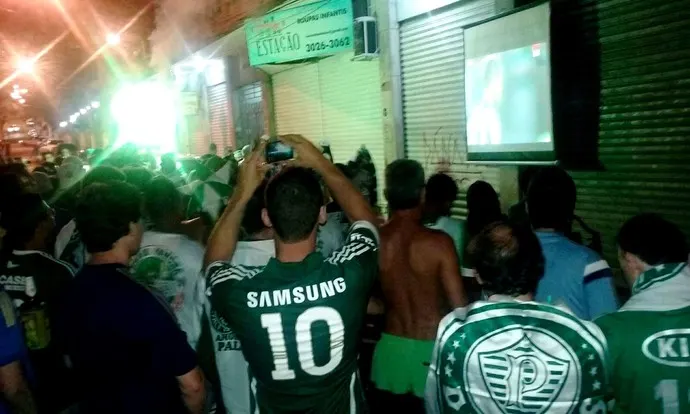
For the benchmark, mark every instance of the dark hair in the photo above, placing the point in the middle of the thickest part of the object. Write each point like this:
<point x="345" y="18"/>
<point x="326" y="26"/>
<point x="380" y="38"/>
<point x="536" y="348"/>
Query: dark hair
<point x="525" y="178"/>
<point x="441" y="188"/>
<point x="252" y="222"/>
<point x="551" y="199"/>
<point x="293" y="200"/>
<point x="103" y="175"/>
<point x="404" y="184"/>
<point x="508" y="258"/>
<point x="653" y="239"/>
<point x="138" y="176"/>
<point x="483" y="207"/>
<point x="104" y="212"/>
<point x="21" y="218"/>
<point x="161" y="199"/>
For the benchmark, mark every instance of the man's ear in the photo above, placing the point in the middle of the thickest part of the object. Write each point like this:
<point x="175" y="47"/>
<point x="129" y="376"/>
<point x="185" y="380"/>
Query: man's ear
<point x="323" y="216"/>
<point x="266" y="219"/>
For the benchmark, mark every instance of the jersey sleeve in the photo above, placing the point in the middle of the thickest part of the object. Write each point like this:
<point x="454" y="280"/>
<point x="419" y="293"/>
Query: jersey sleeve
<point x="11" y="340"/>
<point x="220" y="278"/>
<point x="598" y="288"/>
<point x="360" y="253"/>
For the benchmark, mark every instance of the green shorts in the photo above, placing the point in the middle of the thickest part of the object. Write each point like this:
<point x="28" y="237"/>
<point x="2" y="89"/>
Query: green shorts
<point x="401" y="365"/>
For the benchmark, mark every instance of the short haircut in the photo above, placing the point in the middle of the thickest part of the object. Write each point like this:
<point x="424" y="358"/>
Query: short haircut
<point x="404" y="184"/>
<point x="138" y="176"/>
<point x="293" y="200"/>
<point x="21" y="218"/>
<point x="103" y="175"/>
<point x="104" y="212"/>
<point x="252" y="223"/>
<point x="508" y="258"/>
<point x="161" y="199"/>
<point x="483" y="207"/>
<point x="653" y="239"/>
<point x="551" y="199"/>
<point x="441" y="188"/>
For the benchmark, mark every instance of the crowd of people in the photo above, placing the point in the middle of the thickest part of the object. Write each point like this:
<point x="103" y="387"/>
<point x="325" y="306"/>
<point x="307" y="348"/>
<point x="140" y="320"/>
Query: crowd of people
<point x="120" y="294"/>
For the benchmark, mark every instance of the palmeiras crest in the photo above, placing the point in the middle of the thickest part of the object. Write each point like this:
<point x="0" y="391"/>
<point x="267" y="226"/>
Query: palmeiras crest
<point x="522" y="371"/>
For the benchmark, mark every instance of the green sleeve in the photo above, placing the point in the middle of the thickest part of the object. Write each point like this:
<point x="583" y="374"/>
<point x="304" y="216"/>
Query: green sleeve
<point x="359" y="255"/>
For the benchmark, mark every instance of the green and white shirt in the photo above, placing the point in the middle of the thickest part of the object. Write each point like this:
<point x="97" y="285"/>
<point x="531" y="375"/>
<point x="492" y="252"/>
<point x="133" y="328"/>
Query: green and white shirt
<point x="299" y="324"/>
<point x="514" y="357"/>
<point x="649" y="342"/>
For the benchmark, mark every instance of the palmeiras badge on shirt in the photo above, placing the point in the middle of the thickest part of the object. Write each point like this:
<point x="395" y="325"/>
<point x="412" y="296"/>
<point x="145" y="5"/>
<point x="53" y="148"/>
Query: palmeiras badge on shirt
<point x="159" y="269"/>
<point x="494" y="367"/>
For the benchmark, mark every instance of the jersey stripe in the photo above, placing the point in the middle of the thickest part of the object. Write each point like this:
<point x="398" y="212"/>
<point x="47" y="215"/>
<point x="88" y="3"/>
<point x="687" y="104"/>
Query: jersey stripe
<point x="219" y="272"/>
<point x="349" y="252"/>
<point x="47" y="256"/>
<point x="365" y="225"/>
<point x="595" y="267"/>
<point x="353" y="400"/>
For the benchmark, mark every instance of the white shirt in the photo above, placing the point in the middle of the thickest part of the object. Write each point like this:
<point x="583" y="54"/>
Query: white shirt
<point x="456" y="230"/>
<point x="233" y="369"/>
<point x="170" y="264"/>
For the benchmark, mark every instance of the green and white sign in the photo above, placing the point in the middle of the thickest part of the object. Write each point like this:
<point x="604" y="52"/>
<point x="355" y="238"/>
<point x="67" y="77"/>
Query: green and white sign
<point x="315" y="29"/>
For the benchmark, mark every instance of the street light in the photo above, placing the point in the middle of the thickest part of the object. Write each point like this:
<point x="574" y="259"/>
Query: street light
<point x="113" y="39"/>
<point x="63" y="124"/>
<point x="25" y="65"/>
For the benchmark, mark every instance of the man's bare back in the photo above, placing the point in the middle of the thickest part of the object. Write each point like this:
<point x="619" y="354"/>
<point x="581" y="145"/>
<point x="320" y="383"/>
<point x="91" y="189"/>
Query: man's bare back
<point x="420" y="278"/>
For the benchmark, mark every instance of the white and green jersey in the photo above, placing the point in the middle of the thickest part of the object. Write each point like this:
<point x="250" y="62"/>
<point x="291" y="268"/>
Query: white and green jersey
<point x="515" y="357"/>
<point x="649" y="342"/>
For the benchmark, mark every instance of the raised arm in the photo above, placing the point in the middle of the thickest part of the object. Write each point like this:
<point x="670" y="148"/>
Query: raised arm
<point x="450" y="273"/>
<point x="223" y="240"/>
<point x="343" y="191"/>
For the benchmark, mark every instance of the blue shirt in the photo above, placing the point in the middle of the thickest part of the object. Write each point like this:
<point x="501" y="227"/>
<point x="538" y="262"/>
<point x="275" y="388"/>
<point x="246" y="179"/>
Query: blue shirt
<point x="575" y="276"/>
<point x="12" y="347"/>
<point x="124" y="343"/>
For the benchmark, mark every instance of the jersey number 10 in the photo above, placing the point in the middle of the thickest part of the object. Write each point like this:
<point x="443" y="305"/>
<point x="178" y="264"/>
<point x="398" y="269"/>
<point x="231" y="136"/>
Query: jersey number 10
<point x="273" y="323"/>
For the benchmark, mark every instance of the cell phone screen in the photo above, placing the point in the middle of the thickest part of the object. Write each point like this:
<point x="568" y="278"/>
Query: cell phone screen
<point x="277" y="151"/>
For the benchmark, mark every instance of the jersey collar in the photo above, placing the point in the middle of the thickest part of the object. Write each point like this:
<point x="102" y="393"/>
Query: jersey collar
<point x="656" y="275"/>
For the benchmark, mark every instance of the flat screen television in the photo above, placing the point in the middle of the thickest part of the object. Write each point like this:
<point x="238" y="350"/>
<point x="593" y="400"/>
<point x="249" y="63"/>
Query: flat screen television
<point x="508" y="98"/>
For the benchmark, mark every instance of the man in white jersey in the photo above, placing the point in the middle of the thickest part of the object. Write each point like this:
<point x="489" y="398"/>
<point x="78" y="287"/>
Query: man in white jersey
<point x="169" y="262"/>
<point x="509" y="354"/>
<point x="649" y="337"/>
<point x="256" y="250"/>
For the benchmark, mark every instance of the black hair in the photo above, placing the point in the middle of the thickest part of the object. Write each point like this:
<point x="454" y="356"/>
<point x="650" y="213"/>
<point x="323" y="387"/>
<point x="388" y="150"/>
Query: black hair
<point x="161" y="199"/>
<point x="138" y="176"/>
<point x="104" y="212"/>
<point x="103" y="175"/>
<point x="525" y="178"/>
<point x="653" y="239"/>
<point x="293" y="200"/>
<point x="441" y="188"/>
<point x="551" y="199"/>
<point x="252" y="222"/>
<point x="404" y="184"/>
<point x="483" y="207"/>
<point x="508" y="259"/>
<point x="21" y="218"/>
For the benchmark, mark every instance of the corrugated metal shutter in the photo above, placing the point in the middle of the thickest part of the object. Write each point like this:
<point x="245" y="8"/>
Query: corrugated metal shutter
<point x="297" y="102"/>
<point x="644" y="141"/>
<point x="352" y="111"/>
<point x="433" y="77"/>
<point x="220" y="122"/>
<point x="336" y="100"/>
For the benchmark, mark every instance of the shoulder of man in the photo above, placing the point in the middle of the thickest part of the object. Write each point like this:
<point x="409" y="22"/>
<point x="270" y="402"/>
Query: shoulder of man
<point x="52" y="265"/>
<point x="362" y="240"/>
<point x="223" y="272"/>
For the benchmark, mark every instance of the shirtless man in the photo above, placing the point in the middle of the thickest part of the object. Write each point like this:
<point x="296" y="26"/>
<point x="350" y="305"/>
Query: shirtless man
<point x="421" y="283"/>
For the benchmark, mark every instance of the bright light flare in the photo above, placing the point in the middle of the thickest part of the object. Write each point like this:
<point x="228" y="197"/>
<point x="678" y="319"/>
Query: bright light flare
<point x="25" y="65"/>
<point x="113" y="39"/>
<point x="22" y="101"/>
<point x="145" y="115"/>
<point x="95" y="104"/>
<point x="82" y="111"/>
<point x="63" y="124"/>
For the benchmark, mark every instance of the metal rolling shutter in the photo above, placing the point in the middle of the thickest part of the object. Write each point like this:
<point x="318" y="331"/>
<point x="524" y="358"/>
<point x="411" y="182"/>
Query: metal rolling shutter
<point x="297" y="102"/>
<point x="644" y="140"/>
<point x="249" y="114"/>
<point x="336" y="100"/>
<point x="220" y="122"/>
<point x="433" y="73"/>
<point x="351" y="110"/>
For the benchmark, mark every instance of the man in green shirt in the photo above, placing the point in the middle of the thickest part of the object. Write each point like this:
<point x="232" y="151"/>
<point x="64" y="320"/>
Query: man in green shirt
<point x="649" y="337"/>
<point x="298" y="318"/>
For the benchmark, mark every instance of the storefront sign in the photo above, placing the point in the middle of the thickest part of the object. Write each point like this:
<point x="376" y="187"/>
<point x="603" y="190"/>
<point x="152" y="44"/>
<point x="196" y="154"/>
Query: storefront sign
<point x="315" y="29"/>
